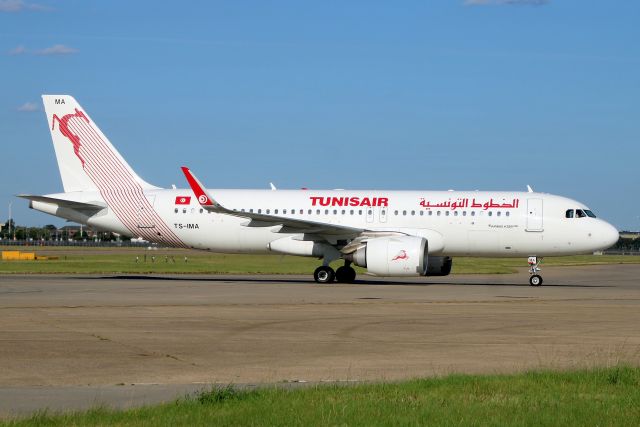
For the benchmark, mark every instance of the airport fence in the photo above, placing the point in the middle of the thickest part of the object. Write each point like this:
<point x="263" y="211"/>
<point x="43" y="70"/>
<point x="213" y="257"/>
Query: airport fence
<point x="74" y="243"/>
<point x="621" y="252"/>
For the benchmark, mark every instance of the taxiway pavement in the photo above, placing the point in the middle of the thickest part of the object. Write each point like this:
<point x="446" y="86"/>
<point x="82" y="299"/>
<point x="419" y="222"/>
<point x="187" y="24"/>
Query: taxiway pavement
<point x="113" y="337"/>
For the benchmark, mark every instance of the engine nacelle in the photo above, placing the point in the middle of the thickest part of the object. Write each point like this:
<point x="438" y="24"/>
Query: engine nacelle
<point x="393" y="256"/>
<point x="400" y="256"/>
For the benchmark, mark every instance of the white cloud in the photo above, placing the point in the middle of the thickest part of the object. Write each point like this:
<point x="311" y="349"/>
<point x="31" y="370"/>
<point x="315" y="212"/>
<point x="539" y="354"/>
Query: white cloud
<point x="505" y="2"/>
<point x="58" y="49"/>
<point x="20" y="5"/>
<point x="18" y="50"/>
<point x="29" y="107"/>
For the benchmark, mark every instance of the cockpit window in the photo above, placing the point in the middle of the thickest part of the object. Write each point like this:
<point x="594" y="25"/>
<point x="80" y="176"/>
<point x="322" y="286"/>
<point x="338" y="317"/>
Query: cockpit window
<point x="579" y="213"/>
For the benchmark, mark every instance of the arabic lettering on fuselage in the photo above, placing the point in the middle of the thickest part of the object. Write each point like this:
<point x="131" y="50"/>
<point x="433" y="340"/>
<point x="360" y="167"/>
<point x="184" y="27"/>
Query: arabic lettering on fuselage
<point x="466" y="203"/>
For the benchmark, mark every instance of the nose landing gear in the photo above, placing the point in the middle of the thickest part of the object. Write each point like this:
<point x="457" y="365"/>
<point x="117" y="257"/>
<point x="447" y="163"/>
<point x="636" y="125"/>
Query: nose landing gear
<point x="535" y="279"/>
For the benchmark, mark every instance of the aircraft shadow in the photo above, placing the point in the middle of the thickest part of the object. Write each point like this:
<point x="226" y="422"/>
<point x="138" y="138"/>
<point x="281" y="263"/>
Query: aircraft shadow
<point x="270" y="280"/>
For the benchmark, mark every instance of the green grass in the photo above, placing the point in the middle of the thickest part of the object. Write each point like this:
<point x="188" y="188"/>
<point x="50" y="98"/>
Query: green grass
<point x="473" y="265"/>
<point x="599" y="397"/>
<point x="92" y="260"/>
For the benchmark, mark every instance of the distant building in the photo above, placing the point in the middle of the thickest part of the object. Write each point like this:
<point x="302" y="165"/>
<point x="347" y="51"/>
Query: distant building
<point x="72" y="230"/>
<point x="630" y="234"/>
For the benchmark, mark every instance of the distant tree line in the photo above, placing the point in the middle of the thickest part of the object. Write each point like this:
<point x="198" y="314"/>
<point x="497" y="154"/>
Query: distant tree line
<point x="627" y="244"/>
<point x="10" y="231"/>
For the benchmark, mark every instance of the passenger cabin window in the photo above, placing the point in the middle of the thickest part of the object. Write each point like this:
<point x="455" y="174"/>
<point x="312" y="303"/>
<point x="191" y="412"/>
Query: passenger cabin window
<point x="569" y="213"/>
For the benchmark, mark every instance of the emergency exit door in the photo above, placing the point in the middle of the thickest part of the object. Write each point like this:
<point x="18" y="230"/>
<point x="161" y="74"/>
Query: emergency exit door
<point x="534" y="215"/>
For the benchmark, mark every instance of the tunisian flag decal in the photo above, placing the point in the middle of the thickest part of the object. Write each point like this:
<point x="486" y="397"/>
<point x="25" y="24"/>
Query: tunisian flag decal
<point x="183" y="200"/>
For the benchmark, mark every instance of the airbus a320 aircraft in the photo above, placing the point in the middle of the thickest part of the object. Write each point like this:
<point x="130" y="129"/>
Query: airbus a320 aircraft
<point x="390" y="233"/>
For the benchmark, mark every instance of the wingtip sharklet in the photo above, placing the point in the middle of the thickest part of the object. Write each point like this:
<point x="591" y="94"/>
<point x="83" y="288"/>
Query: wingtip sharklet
<point x="198" y="189"/>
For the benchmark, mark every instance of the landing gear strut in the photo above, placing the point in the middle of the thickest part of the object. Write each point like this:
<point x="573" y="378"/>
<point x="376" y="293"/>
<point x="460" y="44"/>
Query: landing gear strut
<point x="535" y="279"/>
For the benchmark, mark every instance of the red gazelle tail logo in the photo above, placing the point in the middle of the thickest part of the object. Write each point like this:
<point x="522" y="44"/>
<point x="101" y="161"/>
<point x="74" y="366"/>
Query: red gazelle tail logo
<point x="63" y="125"/>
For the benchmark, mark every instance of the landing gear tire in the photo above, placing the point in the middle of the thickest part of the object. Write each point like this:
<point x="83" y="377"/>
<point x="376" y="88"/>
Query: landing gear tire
<point x="324" y="274"/>
<point x="345" y="274"/>
<point x="535" y="280"/>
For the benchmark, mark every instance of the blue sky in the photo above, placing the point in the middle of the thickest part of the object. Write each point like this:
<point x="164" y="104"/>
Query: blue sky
<point x="480" y="94"/>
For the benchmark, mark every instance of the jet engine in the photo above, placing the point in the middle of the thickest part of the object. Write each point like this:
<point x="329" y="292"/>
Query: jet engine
<point x="399" y="256"/>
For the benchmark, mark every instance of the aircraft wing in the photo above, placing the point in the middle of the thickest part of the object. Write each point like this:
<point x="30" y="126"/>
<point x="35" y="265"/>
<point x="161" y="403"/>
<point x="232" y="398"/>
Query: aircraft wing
<point x="288" y="225"/>
<point x="78" y="206"/>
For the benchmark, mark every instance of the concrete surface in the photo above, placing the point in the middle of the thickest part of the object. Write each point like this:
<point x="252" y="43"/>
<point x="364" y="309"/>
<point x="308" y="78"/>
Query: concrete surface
<point x="69" y="342"/>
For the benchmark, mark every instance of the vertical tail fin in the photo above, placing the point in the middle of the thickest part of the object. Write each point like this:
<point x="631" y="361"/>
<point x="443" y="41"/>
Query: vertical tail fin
<point x="86" y="159"/>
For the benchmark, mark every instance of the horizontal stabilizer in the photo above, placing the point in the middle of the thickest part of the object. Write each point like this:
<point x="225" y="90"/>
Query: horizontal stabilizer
<point x="78" y="206"/>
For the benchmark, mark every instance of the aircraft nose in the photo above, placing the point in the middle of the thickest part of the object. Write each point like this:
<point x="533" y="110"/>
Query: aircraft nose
<point x="609" y="235"/>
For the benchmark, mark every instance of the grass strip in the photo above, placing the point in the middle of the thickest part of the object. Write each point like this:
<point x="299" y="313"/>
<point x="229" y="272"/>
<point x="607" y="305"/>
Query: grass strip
<point x="596" y="397"/>
<point x="92" y="260"/>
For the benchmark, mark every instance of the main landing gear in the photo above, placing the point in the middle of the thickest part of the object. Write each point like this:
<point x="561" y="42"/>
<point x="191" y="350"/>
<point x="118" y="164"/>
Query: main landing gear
<point x="344" y="274"/>
<point x="535" y="279"/>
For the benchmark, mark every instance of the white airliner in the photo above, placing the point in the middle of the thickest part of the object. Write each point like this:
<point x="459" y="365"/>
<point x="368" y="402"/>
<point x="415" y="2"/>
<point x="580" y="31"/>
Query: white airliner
<point x="390" y="233"/>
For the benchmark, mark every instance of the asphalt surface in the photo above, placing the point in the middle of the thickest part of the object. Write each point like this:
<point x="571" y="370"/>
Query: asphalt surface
<point x="71" y="342"/>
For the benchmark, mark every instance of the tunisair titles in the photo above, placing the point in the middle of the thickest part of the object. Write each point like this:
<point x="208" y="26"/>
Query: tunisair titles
<point x="384" y="202"/>
<point x="464" y="203"/>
